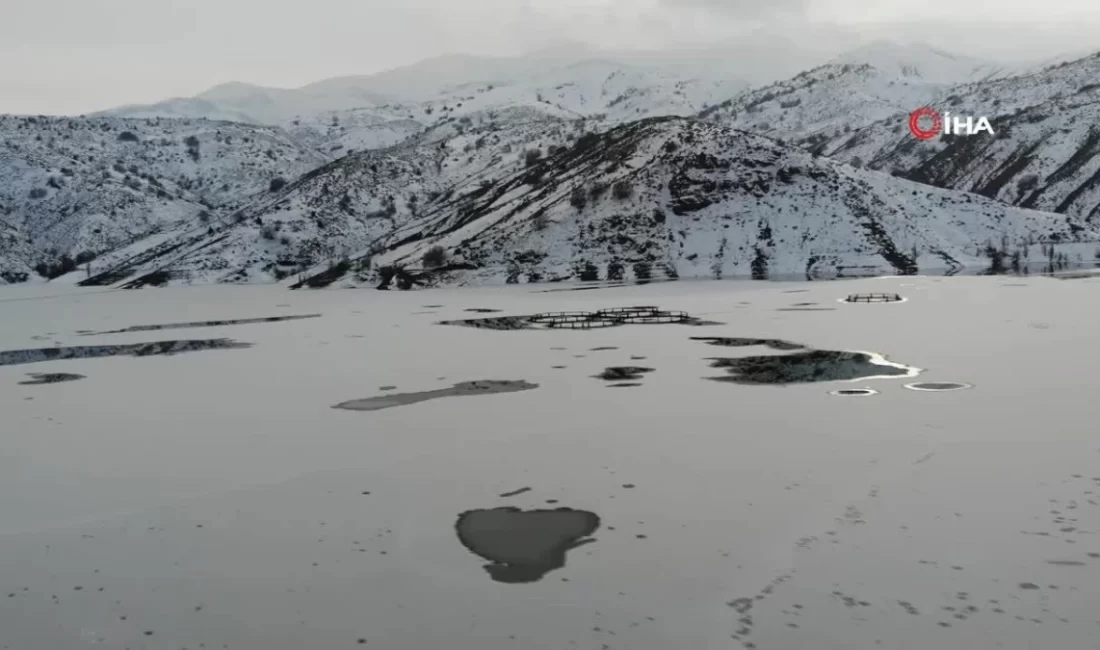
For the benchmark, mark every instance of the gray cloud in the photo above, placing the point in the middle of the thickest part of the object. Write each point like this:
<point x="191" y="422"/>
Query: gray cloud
<point x="745" y="9"/>
<point x="77" y="56"/>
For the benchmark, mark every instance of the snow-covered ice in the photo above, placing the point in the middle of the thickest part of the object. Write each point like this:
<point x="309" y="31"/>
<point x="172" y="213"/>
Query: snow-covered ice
<point x="215" y="499"/>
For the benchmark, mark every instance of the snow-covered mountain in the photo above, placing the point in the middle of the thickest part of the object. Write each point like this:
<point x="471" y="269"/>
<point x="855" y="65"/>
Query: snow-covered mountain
<point x="862" y="86"/>
<point x="577" y="82"/>
<point x="346" y="205"/>
<point x="15" y="255"/>
<point x="1044" y="154"/>
<point x="664" y="195"/>
<point x="702" y="200"/>
<point x="924" y="62"/>
<point x="833" y="98"/>
<point x="491" y="151"/>
<point x="76" y="188"/>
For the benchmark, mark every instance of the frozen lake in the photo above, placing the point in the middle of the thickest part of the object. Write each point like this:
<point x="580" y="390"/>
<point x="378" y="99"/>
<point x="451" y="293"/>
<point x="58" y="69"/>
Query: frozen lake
<point x="214" y="498"/>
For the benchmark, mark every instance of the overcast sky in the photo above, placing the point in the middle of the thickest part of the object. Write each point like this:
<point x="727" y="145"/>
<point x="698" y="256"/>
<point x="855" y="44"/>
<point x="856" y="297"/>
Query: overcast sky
<point x="74" y="56"/>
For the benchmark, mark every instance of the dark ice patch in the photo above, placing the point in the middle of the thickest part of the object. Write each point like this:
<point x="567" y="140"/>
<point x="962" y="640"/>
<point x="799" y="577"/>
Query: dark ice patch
<point x="516" y="492"/>
<point x="523" y="546"/>
<point x="14" y="357"/>
<point x="50" y="378"/>
<point x="775" y="344"/>
<point x="803" y="367"/>
<point x="622" y="373"/>
<point x="478" y="387"/>
<point x="205" y="323"/>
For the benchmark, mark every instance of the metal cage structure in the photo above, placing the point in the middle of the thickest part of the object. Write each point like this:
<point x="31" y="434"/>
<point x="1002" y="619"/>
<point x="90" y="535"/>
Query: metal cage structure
<point x="873" y="297"/>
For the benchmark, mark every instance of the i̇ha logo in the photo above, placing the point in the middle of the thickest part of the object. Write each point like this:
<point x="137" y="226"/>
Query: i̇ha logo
<point x="927" y="123"/>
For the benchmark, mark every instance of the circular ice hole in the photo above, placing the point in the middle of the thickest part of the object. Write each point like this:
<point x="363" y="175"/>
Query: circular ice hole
<point x="938" y="386"/>
<point x="854" y="392"/>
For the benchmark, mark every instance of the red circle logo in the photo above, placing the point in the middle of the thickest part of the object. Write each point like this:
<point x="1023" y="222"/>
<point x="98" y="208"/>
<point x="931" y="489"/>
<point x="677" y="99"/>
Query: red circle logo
<point x="922" y="133"/>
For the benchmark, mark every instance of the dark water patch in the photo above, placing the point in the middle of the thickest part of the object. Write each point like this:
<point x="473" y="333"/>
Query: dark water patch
<point x="1066" y="563"/>
<point x="805" y="367"/>
<point x="803" y="304"/>
<point x="205" y="323"/>
<point x="50" y="378"/>
<point x="623" y="385"/>
<point x="855" y="392"/>
<point x="775" y="344"/>
<point x="634" y="358"/>
<point x="478" y="387"/>
<point x="601" y="349"/>
<point x="622" y="373"/>
<point x="1083" y="275"/>
<point x="432" y="306"/>
<point x="14" y="357"/>
<point x="523" y="546"/>
<point x="387" y="388"/>
<point x="559" y="367"/>
<point x="590" y="288"/>
<point x="696" y="322"/>
<point x="482" y="310"/>
<point x="938" y="386"/>
<point x="516" y="492"/>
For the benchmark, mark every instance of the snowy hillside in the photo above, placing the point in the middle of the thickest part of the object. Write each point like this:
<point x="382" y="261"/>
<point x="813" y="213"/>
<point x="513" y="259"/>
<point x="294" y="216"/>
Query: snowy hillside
<point x="665" y="196"/>
<point x="81" y="187"/>
<point x="487" y="158"/>
<point x="832" y="98"/>
<point x="919" y="61"/>
<point x="860" y="87"/>
<point x="344" y="206"/>
<point x="582" y="86"/>
<point x="697" y="200"/>
<point x="1044" y="154"/>
<point x="15" y="253"/>
<point x="602" y="90"/>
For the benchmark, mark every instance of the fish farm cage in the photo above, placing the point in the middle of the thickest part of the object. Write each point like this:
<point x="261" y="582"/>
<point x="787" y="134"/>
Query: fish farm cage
<point x="873" y="297"/>
<point x="609" y="317"/>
